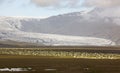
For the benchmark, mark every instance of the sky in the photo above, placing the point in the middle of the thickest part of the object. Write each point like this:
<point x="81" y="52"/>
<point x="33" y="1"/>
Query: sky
<point x="46" y="8"/>
<point x="39" y="8"/>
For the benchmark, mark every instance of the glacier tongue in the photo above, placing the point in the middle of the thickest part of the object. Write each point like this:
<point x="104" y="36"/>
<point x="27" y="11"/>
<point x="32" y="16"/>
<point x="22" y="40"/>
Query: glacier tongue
<point x="9" y="30"/>
<point x="55" y="40"/>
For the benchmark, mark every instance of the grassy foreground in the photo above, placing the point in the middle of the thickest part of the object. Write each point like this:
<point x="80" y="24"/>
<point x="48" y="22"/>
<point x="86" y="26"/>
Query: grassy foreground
<point x="51" y="60"/>
<point x="59" y="65"/>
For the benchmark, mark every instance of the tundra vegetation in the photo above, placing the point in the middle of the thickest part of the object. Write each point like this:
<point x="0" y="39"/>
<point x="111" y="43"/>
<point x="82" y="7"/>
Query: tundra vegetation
<point x="60" y="60"/>
<point x="63" y="53"/>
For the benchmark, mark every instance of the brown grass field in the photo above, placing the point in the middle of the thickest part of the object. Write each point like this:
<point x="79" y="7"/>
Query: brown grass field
<point x="60" y="64"/>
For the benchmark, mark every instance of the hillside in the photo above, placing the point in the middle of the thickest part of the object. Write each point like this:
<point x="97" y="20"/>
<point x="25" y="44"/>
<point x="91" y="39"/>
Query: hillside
<point x="78" y="28"/>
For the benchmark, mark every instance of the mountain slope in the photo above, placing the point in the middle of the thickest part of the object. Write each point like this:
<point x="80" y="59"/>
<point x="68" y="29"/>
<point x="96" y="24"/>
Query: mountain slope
<point x="91" y="29"/>
<point x="77" y="24"/>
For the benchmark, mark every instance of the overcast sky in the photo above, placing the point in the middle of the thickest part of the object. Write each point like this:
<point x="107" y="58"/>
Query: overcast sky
<point x="41" y="8"/>
<point x="46" y="8"/>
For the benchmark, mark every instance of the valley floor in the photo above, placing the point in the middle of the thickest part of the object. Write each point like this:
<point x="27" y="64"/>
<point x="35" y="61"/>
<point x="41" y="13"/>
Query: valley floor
<point x="37" y="64"/>
<point x="60" y="60"/>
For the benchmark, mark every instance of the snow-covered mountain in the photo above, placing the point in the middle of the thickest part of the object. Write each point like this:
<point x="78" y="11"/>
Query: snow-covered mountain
<point x="79" y="28"/>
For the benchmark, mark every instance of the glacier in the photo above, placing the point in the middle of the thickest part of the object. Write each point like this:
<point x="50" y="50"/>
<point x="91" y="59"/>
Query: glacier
<point x="10" y="29"/>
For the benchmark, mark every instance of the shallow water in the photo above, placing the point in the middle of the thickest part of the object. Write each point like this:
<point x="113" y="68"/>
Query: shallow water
<point x="15" y="69"/>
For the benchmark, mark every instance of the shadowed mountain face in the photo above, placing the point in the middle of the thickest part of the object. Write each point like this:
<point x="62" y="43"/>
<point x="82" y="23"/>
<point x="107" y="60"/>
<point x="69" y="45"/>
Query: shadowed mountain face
<point x="85" y="24"/>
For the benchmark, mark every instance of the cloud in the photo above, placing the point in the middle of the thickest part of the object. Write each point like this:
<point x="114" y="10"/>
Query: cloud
<point x="56" y="3"/>
<point x="102" y="3"/>
<point x="45" y="3"/>
<point x="104" y="8"/>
